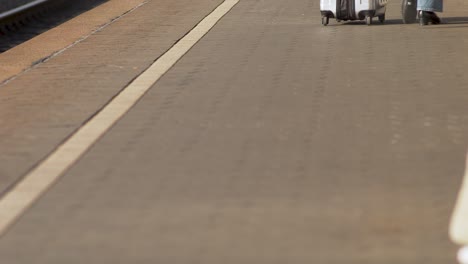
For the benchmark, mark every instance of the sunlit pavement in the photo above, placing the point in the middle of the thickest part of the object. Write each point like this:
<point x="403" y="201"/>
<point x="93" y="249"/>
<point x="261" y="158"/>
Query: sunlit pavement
<point x="273" y="140"/>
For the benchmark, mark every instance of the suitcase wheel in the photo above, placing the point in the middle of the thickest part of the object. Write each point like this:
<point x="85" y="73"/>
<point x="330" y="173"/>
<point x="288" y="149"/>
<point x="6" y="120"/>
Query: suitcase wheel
<point x="382" y="19"/>
<point x="325" y="20"/>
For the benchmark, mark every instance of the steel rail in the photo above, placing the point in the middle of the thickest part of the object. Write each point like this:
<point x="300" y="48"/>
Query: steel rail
<point x="21" y="9"/>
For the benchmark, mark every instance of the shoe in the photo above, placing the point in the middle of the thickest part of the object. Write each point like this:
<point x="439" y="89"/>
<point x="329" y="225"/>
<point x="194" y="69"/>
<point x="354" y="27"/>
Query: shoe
<point x="426" y="17"/>
<point x="423" y="18"/>
<point x="434" y="19"/>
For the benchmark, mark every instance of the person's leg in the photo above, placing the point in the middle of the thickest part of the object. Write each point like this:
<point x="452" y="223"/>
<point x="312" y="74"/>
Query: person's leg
<point x="427" y="9"/>
<point x="430" y="5"/>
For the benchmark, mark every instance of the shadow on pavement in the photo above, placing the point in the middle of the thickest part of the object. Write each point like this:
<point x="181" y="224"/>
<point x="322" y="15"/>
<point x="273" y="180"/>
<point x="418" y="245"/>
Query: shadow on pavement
<point x="445" y="21"/>
<point x="454" y="20"/>
<point x="451" y="23"/>
<point x="375" y="22"/>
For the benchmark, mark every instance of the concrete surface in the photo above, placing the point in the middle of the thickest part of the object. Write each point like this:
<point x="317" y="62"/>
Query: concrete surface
<point x="275" y="140"/>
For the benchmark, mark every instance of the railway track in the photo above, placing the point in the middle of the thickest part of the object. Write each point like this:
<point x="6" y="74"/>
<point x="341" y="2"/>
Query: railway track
<point x="22" y="22"/>
<point x="22" y="9"/>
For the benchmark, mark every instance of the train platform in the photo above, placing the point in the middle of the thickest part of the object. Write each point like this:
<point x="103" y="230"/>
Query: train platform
<point x="217" y="131"/>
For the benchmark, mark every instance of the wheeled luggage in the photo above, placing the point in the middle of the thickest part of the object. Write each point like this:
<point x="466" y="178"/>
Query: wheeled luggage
<point x="353" y="10"/>
<point x="408" y="11"/>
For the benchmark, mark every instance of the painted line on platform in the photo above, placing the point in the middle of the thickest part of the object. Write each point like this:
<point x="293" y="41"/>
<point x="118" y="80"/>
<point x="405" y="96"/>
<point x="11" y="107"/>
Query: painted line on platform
<point x="42" y="177"/>
<point x="459" y="223"/>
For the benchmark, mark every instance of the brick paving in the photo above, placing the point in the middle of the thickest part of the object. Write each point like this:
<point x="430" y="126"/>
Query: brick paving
<point x="40" y="109"/>
<point x="275" y="140"/>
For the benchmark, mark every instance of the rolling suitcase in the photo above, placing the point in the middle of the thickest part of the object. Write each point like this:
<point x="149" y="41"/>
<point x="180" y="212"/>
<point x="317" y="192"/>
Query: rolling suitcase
<point x="353" y="10"/>
<point x="408" y="11"/>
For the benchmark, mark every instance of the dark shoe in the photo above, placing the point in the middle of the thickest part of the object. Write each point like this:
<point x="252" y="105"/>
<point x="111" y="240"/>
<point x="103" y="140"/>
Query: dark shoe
<point x="423" y="18"/>
<point x="426" y="17"/>
<point x="434" y="19"/>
